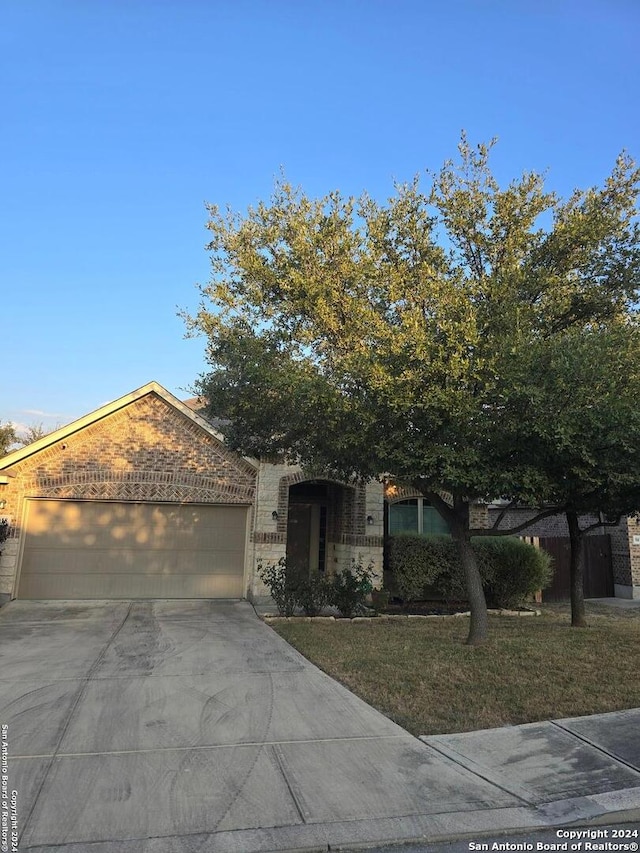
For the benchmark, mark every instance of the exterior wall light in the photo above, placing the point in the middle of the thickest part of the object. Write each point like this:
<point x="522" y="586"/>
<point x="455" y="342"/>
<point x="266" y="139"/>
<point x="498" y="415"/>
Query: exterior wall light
<point x="3" y="504"/>
<point x="274" y="515"/>
<point x="369" y="519"/>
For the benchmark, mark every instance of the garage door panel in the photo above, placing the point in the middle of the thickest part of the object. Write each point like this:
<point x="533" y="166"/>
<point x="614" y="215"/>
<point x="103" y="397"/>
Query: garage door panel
<point x="60" y="524"/>
<point x="73" y="586"/>
<point x="77" y="549"/>
<point x="62" y="561"/>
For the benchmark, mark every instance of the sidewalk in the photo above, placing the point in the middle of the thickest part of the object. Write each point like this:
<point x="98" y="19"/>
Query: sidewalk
<point x="563" y="771"/>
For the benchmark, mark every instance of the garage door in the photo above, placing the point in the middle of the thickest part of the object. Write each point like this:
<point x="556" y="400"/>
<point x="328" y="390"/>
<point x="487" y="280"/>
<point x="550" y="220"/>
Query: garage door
<point x="104" y="549"/>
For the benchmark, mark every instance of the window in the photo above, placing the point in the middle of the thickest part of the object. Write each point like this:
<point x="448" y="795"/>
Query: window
<point x="415" y="515"/>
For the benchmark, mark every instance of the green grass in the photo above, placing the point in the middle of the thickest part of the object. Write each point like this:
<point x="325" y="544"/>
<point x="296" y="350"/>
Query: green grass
<point x="420" y="674"/>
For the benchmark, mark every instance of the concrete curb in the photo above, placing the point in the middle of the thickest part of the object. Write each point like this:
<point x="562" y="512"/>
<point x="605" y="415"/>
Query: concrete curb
<point x="364" y="834"/>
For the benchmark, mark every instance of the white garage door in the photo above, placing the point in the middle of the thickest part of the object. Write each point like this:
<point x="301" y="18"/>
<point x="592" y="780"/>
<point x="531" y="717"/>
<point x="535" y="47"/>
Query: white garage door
<point x="106" y="549"/>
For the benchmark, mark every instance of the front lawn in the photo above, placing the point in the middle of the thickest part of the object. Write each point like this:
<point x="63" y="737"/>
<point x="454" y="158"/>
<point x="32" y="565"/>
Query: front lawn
<point x="420" y="674"/>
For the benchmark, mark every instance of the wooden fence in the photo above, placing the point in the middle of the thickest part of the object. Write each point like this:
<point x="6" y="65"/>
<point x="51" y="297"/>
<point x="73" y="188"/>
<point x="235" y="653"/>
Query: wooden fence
<point x="598" y="572"/>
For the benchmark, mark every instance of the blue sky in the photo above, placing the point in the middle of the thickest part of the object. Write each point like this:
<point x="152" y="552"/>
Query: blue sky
<point x="121" y="118"/>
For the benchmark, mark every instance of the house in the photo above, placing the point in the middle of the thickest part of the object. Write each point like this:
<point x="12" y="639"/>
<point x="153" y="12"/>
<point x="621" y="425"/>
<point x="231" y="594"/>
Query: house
<point x="141" y="499"/>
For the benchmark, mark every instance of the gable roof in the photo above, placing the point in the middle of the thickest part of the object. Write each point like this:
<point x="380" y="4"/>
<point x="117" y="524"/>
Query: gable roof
<point x="108" y="409"/>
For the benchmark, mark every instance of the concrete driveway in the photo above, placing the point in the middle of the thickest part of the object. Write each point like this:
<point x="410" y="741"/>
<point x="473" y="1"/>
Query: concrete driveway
<point x="163" y="726"/>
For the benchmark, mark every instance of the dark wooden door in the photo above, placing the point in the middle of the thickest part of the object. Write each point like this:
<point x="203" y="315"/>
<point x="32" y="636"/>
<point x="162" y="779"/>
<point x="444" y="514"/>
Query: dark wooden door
<point x="298" y="537"/>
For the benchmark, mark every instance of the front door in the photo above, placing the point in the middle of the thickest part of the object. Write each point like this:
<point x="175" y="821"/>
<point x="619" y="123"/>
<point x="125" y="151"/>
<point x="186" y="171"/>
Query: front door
<point x="306" y="537"/>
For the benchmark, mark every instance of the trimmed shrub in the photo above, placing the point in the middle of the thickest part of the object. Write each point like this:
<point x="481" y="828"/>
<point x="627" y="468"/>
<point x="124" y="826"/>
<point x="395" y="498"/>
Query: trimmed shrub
<point x="417" y="561"/>
<point x="451" y="583"/>
<point x="511" y="570"/>
<point x="350" y="588"/>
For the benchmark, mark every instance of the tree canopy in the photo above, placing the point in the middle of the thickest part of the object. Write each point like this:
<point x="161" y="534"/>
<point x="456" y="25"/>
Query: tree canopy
<point x="8" y="438"/>
<point x="31" y="433"/>
<point x="580" y="419"/>
<point x="366" y="338"/>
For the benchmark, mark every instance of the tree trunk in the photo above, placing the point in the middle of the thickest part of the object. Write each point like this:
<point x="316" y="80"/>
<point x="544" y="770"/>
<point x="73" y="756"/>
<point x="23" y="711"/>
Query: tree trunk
<point x="457" y="517"/>
<point x="479" y="622"/>
<point x="576" y="569"/>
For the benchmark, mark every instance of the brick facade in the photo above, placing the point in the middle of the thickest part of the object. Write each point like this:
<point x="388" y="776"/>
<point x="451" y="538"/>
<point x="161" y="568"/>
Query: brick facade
<point x="633" y="544"/>
<point x="145" y="451"/>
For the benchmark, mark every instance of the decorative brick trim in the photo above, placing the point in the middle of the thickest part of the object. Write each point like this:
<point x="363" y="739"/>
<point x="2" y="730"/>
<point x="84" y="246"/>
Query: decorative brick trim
<point x="119" y="490"/>
<point x="148" y="450"/>
<point x="394" y="492"/>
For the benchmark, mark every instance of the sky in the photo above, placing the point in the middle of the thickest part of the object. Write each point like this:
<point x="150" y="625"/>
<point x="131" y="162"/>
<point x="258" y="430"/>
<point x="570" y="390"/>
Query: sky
<point x="121" y="119"/>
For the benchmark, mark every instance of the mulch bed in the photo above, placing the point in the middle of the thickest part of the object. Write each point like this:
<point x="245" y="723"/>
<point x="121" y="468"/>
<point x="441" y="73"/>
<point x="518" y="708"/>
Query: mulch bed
<point x="426" y="608"/>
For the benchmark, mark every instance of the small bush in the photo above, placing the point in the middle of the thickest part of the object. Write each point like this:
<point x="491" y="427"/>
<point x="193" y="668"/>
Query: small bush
<point x="281" y="586"/>
<point x="313" y="593"/>
<point x="380" y="599"/>
<point x="350" y="588"/>
<point x="511" y="570"/>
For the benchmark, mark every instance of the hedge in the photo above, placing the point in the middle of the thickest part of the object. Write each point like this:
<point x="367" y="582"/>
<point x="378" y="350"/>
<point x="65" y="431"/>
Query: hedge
<point x="511" y="570"/>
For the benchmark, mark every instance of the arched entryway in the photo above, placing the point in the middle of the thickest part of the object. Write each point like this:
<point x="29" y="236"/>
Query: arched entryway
<point x="320" y="513"/>
<point x="317" y="523"/>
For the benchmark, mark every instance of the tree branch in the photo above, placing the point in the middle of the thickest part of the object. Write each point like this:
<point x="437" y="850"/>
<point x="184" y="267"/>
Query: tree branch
<point x="602" y="524"/>
<point x="496" y="523"/>
<point x="489" y="531"/>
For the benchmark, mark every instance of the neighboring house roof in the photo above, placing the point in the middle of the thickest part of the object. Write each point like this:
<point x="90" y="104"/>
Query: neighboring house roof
<point x="199" y="405"/>
<point x="196" y="404"/>
<point x="108" y="409"/>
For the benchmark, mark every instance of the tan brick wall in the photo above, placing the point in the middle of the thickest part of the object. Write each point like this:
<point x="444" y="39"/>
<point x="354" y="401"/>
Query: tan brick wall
<point x="478" y="516"/>
<point x="146" y="451"/>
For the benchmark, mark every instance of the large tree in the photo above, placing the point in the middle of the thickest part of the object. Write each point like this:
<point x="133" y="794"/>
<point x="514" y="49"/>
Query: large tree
<point x="368" y="338"/>
<point x="580" y="419"/>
